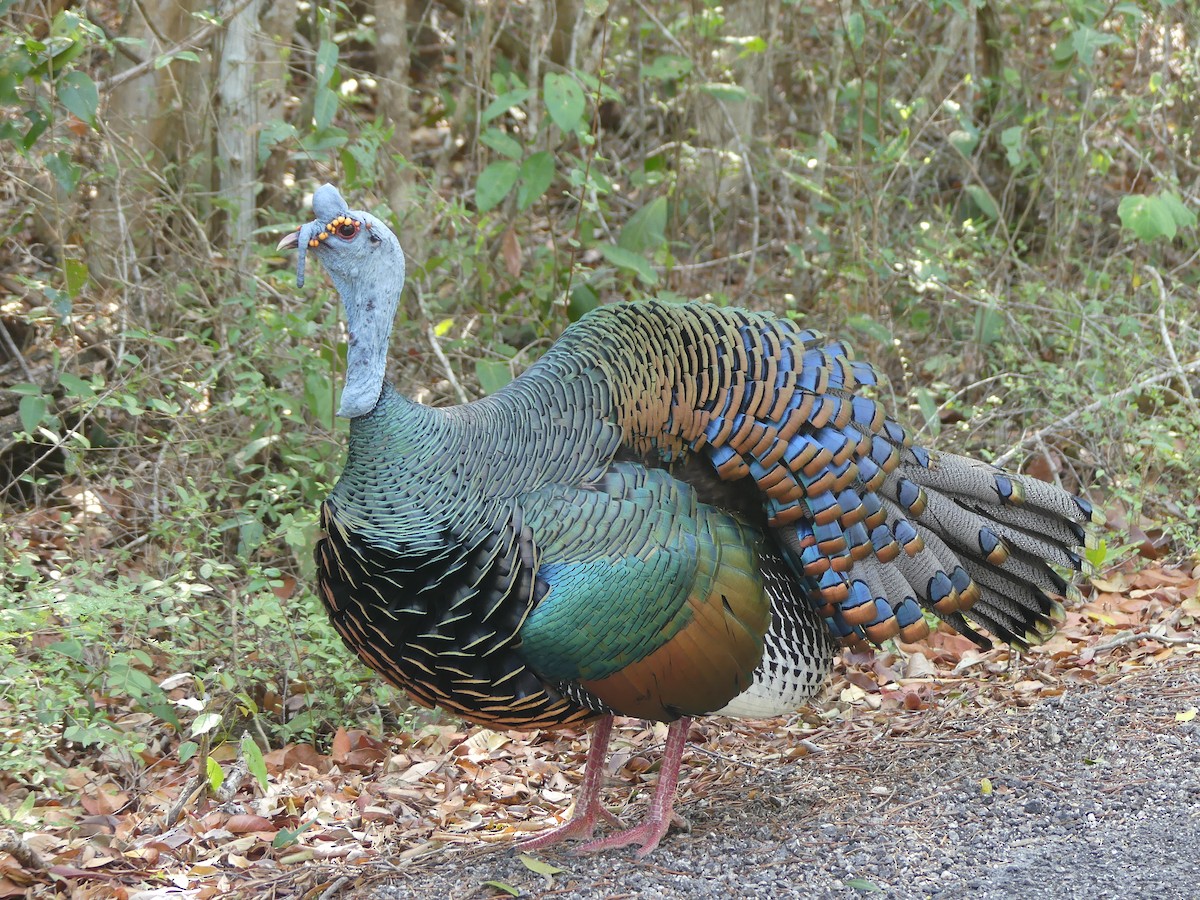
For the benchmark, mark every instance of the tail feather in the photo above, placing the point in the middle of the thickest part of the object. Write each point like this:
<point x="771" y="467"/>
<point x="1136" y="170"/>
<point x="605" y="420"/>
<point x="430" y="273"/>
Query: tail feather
<point x="877" y="527"/>
<point x="945" y="562"/>
<point x="1036" y="544"/>
<point x="1046" y="532"/>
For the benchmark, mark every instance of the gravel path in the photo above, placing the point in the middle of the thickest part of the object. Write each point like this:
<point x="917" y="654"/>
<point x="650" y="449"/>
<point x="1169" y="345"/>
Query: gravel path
<point x="1095" y="794"/>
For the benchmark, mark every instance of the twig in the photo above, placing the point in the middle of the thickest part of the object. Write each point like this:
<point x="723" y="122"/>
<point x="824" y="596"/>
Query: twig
<point x="1132" y="637"/>
<point x="11" y="346"/>
<point x="334" y="889"/>
<point x="233" y="781"/>
<point x="975" y="385"/>
<point x="1166" y="336"/>
<point x="1193" y="366"/>
<point x="193" y="40"/>
<point x="190" y="793"/>
<point x="1157" y="632"/>
<point x="21" y="852"/>
<point x="437" y="349"/>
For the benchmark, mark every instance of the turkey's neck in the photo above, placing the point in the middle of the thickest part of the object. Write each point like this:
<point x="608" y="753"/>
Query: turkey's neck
<point x="416" y="474"/>
<point x="396" y="479"/>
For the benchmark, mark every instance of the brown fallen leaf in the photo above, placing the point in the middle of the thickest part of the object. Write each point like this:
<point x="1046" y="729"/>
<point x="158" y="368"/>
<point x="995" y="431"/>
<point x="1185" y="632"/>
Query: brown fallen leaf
<point x="340" y="747"/>
<point x="103" y="799"/>
<point x="244" y="824"/>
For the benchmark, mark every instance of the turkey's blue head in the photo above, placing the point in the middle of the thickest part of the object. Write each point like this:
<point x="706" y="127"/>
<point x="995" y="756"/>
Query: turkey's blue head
<point x="365" y="263"/>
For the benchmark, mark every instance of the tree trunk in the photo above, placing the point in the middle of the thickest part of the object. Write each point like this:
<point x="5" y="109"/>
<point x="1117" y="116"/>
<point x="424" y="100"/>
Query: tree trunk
<point x="392" y="64"/>
<point x="566" y="12"/>
<point x="278" y="29"/>
<point x="153" y="121"/>
<point x="237" y="125"/>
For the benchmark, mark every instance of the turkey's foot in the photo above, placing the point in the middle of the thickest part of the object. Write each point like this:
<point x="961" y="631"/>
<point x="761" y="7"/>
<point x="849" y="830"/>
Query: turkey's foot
<point x="582" y="823"/>
<point x="648" y="834"/>
<point x="661" y="814"/>
<point x="579" y="827"/>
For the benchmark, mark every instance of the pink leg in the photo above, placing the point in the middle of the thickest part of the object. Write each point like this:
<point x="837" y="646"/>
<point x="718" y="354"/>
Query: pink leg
<point x="587" y="801"/>
<point x="658" y="819"/>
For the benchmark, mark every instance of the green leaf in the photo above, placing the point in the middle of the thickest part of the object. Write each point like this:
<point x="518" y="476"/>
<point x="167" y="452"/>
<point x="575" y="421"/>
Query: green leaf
<point x="1086" y="41"/>
<point x="77" y="92"/>
<point x="751" y="45"/>
<point x="37" y="126"/>
<point x="76" y="386"/>
<point x="323" y="139"/>
<point x="72" y="649"/>
<point x="271" y="134"/>
<point x="1012" y="140"/>
<point x="536" y="865"/>
<point x="64" y="170"/>
<point x="856" y="29"/>
<point x="989" y="325"/>
<point x="187" y="750"/>
<point x="1183" y="216"/>
<point x="205" y="722"/>
<point x="964" y="140"/>
<point x="1147" y="217"/>
<point x="861" y="884"/>
<point x="1063" y="54"/>
<point x="564" y="100"/>
<point x="630" y="262"/>
<point x="32" y="411"/>
<point x="583" y="300"/>
<point x="494" y="184"/>
<point x="730" y="93"/>
<point x="505" y="102"/>
<point x="76" y="271"/>
<point x="318" y="397"/>
<point x="537" y="174"/>
<point x="646" y="228"/>
<point x="216" y="777"/>
<point x="255" y="764"/>
<point x="504" y="144"/>
<point x="325" y="99"/>
<point x="492" y="374"/>
<point x="928" y="407"/>
<point x="161" y="62"/>
<point x="324" y="107"/>
<point x="506" y="888"/>
<point x="668" y="67"/>
<point x="242" y="457"/>
<point x="22" y="812"/>
<point x="595" y="8"/>
<point x="983" y="200"/>
<point x="327" y="57"/>
<point x="130" y="681"/>
<point x="287" y="836"/>
<point x="877" y="331"/>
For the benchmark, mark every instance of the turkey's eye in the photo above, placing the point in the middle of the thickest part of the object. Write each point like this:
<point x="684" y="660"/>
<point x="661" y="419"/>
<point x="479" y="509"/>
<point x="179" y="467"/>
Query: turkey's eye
<point x="347" y="229"/>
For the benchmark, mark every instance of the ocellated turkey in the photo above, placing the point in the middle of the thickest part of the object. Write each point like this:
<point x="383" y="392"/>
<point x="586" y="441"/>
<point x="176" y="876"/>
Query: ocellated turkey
<point x="679" y="510"/>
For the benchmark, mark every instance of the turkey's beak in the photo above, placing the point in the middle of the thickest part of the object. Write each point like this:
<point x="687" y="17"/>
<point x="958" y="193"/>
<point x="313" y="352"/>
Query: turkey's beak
<point x="290" y="241"/>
